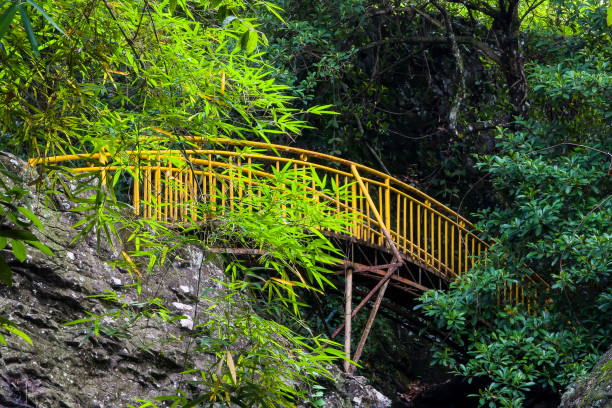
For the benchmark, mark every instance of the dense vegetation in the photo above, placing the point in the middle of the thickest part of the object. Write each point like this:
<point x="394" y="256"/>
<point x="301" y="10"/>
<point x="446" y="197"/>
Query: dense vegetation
<point x="98" y="76"/>
<point x="498" y="108"/>
<point x="504" y="106"/>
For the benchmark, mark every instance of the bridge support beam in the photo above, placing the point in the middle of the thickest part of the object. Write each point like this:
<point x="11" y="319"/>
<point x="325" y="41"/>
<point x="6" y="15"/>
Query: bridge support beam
<point x="368" y="326"/>
<point x="348" y="300"/>
<point x="371" y="293"/>
<point x="396" y="262"/>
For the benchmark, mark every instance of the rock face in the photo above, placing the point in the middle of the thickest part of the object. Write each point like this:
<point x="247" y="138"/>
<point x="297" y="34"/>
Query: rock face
<point x="68" y="366"/>
<point x="352" y="391"/>
<point x="593" y="390"/>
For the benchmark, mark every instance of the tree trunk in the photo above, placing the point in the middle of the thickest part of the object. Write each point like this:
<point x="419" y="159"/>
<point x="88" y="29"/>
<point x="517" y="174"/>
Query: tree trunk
<point x="506" y="29"/>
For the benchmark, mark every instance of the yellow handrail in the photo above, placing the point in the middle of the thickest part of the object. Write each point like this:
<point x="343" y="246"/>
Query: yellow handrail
<point x="168" y="183"/>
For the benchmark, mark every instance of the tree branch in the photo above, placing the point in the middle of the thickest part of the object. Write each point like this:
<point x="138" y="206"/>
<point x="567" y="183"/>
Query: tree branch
<point x="389" y="10"/>
<point x="429" y="18"/>
<point x="481" y="6"/>
<point x="488" y="51"/>
<point x="534" y="6"/>
<point x="127" y="39"/>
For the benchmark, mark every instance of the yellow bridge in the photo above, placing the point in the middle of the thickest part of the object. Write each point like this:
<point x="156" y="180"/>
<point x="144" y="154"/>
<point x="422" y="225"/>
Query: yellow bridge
<point x="396" y="234"/>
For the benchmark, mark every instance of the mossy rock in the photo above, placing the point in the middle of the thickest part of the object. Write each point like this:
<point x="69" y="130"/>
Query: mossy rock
<point x="594" y="389"/>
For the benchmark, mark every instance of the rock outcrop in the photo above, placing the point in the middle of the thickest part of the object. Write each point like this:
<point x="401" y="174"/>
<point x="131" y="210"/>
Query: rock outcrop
<point x="593" y="390"/>
<point x="69" y="366"/>
<point x="352" y="391"/>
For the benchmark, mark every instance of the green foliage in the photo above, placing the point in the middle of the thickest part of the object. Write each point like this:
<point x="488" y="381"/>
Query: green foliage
<point x="551" y="179"/>
<point x="129" y="76"/>
<point x="7" y="326"/>
<point x="254" y="361"/>
<point x="389" y="71"/>
<point x="15" y="6"/>
<point x="286" y="220"/>
<point x="128" y="70"/>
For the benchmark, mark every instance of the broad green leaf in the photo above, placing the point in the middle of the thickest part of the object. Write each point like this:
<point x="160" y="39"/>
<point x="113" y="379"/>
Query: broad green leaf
<point x="152" y="261"/>
<point x="244" y="39"/>
<point x="13" y="329"/>
<point x="272" y="9"/>
<point x="19" y="249"/>
<point x="78" y="321"/>
<point x="116" y="177"/>
<point x="251" y="42"/>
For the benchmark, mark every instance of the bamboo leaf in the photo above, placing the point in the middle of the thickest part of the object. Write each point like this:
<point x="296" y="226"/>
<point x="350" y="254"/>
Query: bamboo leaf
<point x="251" y="41"/>
<point x="46" y="16"/>
<point x="27" y="25"/>
<point x="78" y="321"/>
<point x="7" y="18"/>
<point x="244" y="39"/>
<point x="231" y="366"/>
<point x="13" y="329"/>
<point x="41" y="247"/>
<point x="30" y="216"/>
<point x="23" y="235"/>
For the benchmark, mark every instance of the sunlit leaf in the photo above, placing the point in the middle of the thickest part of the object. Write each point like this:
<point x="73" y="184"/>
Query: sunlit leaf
<point x="14" y="330"/>
<point x="19" y="249"/>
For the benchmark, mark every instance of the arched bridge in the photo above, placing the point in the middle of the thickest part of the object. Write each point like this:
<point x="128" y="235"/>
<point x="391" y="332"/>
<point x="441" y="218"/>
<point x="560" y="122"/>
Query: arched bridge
<point x="397" y="235"/>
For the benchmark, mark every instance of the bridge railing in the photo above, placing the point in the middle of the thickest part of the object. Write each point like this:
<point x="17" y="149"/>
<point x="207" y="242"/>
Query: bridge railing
<point x="167" y="185"/>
